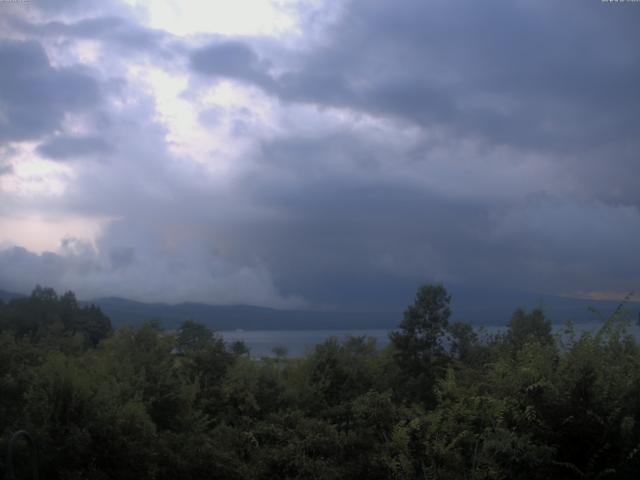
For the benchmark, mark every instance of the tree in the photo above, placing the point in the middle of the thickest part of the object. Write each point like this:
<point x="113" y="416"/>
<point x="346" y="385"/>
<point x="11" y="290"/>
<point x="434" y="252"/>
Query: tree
<point x="193" y="336"/>
<point x="238" y="348"/>
<point x="526" y="327"/>
<point x="463" y="341"/>
<point x="93" y="324"/>
<point x="419" y="350"/>
<point x="69" y="310"/>
<point x="44" y="294"/>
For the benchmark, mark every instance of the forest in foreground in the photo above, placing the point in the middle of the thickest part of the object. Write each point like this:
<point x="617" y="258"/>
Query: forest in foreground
<point x="439" y="402"/>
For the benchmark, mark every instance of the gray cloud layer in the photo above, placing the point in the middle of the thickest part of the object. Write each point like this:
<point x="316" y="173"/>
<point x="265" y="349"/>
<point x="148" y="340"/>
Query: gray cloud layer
<point x="512" y="72"/>
<point x="71" y="147"/>
<point x="34" y="95"/>
<point x="489" y="143"/>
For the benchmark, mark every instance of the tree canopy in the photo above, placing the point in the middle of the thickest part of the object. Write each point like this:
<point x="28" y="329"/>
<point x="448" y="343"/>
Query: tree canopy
<point x="442" y="401"/>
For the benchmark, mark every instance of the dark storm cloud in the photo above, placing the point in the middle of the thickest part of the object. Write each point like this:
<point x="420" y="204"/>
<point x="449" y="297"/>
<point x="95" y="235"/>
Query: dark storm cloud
<point x="556" y="80"/>
<point x="134" y="261"/>
<point x="348" y="233"/>
<point x="354" y="240"/>
<point x="512" y="72"/>
<point x="34" y="96"/>
<point x="115" y="31"/>
<point x="74" y="8"/>
<point x="486" y="143"/>
<point x="57" y="6"/>
<point x="122" y="257"/>
<point x="21" y="270"/>
<point x="231" y="59"/>
<point x="64" y="147"/>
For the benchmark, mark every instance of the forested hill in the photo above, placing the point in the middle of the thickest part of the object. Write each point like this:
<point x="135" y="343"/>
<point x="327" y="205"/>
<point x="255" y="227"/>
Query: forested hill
<point x="6" y="296"/>
<point x="230" y="317"/>
<point x="477" y="308"/>
<point x="485" y="308"/>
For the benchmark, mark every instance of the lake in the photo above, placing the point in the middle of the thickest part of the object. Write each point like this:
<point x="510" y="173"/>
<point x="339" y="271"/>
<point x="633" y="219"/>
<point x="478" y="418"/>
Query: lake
<point x="299" y="342"/>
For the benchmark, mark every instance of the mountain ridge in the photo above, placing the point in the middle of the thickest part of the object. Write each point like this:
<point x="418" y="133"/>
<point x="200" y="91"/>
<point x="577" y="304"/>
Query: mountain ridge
<point x="476" y="308"/>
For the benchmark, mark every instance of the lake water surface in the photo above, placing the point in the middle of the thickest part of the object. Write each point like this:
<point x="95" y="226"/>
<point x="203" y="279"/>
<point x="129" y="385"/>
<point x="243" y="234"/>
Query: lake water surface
<point x="299" y="342"/>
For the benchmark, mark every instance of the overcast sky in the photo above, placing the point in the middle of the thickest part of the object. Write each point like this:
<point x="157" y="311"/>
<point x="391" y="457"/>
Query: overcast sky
<point x="319" y="153"/>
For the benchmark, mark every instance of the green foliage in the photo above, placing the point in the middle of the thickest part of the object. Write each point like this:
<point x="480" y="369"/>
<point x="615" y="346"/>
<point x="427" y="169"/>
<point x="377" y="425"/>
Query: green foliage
<point x="193" y="337"/>
<point x="419" y="347"/>
<point x="526" y="327"/>
<point x="44" y="315"/>
<point x="442" y="401"/>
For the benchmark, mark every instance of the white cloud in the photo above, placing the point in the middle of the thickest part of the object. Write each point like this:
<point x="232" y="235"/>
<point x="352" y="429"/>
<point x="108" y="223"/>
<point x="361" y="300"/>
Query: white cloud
<point x="237" y="17"/>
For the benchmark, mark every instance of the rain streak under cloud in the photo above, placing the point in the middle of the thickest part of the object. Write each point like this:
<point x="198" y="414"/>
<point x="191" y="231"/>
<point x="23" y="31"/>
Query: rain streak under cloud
<point x="319" y="153"/>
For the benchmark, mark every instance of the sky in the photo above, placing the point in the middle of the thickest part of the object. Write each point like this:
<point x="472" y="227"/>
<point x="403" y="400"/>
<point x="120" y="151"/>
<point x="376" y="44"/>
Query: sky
<point x="319" y="153"/>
